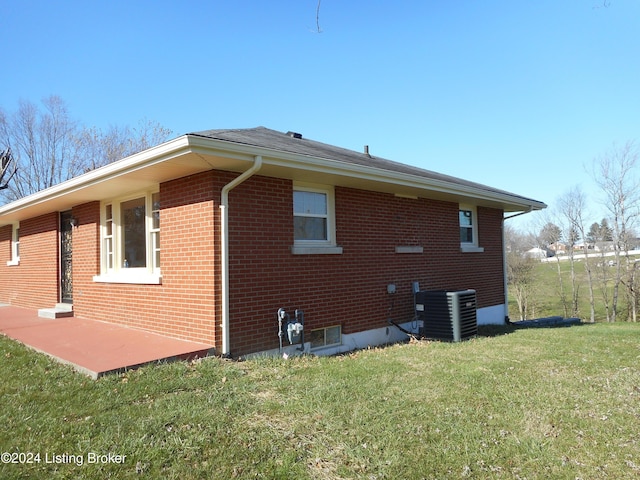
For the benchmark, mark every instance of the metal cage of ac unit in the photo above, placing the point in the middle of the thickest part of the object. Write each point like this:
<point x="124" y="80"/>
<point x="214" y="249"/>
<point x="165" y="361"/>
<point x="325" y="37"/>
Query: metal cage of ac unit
<point x="447" y="314"/>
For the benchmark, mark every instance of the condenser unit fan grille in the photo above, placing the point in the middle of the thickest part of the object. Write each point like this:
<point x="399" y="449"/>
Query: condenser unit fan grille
<point x="448" y="314"/>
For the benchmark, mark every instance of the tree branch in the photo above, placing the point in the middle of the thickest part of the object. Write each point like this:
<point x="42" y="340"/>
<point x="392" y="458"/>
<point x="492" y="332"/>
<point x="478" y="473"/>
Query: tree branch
<point x="319" y="30"/>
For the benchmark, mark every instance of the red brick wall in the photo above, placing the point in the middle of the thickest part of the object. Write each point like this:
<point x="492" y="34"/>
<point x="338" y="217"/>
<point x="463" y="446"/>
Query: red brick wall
<point x="33" y="283"/>
<point x="349" y="289"/>
<point x="184" y="305"/>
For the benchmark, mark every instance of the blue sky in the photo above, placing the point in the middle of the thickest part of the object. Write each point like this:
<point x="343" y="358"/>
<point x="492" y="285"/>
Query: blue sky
<point x="519" y="95"/>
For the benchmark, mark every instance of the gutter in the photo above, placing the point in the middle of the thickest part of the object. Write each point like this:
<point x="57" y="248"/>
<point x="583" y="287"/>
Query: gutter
<point x="315" y="164"/>
<point x="519" y="213"/>
<point x="224" y="249"/>
<point x="137" y="161"/>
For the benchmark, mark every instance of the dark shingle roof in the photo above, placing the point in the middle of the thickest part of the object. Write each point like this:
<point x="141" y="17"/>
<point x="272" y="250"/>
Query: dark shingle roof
<point x="294" y="143"/>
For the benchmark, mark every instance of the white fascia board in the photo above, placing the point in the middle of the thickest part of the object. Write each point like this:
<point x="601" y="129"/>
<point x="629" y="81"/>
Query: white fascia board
<point x="244" y="152"/>
<point x="146" y="158"/>
<point x="378" y="175"/>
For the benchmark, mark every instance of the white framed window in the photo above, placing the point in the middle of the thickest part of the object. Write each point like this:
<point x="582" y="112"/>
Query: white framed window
<point x="468" y="217"/>
<point x="326" y="337"/>
<point x="467" y="226"/>
<point x="155" y="231"/>
<point x="314" y="225"/>
<point x="130" y="239"/>
<point x="15" y="245"/>
<point x="107" y="238"/>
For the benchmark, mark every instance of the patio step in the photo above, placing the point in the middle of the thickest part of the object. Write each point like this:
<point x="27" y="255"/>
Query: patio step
<point x="61" y="310"/>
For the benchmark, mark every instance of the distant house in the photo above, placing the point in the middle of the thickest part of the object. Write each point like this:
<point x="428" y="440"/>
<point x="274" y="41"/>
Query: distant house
<point x="207" y="236"/>
<point x="586" y="247"/>
<point x="557" y="248"/>
<point x="539" y="253"/>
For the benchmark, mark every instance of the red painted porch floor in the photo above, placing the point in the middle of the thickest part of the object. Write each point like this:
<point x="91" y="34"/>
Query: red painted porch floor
<point x="92" y="347"/>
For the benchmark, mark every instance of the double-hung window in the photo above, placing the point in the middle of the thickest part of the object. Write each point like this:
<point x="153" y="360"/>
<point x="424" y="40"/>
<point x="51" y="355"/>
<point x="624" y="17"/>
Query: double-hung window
<point x="466" y="226"/>
<point x="469" y="229"/>
<point x="130" y="236"/>
<point x="314" y="220"/>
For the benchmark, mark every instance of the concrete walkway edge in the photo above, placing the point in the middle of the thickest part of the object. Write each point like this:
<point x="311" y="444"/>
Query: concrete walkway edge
<point x="92" y="347"/>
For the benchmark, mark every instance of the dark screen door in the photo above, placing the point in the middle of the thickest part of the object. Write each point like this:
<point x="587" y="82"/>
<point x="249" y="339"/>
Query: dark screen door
<point x="66" y="255"/>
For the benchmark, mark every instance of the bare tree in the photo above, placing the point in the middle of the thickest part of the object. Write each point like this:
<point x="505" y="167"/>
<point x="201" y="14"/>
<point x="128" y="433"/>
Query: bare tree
<point x="50" y="147"/>
<point x="550" y="237"/>
<point x="520" y="270"/>
<point x="41" y="142"/>
<point x="572" y="206"/>
<point x="615" y="174"/>
<point x="96" y="148"/>
<point x="7" y="168"/>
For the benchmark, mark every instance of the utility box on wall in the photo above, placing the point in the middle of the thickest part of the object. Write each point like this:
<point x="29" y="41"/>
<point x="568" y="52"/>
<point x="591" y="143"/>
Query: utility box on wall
<point x="447" y="314"/>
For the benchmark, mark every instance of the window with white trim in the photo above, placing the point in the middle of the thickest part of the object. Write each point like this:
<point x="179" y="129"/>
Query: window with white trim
<point x="314" y="220"/>
<point x="468" y="217"/>
<point x="107" y="238"/>
<point x="130" y="239"/>
<point x="311" y="216"/>
<point x="467" y="224"/>
<point x="155" y="230"/>
<point x="15" y="245"/>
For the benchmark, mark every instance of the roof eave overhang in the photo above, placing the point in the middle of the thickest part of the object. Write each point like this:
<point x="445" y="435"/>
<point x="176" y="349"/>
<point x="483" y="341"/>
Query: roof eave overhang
<point x="191" y="154"/>
<point x="97" y="184"/>
<point x="316" y="169"/>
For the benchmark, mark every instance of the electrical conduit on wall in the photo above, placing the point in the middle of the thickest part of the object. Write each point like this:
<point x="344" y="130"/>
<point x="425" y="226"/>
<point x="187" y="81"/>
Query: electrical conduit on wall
<point x="224" y="247"/>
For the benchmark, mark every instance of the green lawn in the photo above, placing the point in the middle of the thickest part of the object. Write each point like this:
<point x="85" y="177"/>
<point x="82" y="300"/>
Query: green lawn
<point x="527" y="403"/>
<point x="545" y="298"/>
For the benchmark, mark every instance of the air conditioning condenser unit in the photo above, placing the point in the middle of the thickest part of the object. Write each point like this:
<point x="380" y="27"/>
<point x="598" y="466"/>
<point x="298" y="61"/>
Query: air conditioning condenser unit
<point x="447" y="314"/>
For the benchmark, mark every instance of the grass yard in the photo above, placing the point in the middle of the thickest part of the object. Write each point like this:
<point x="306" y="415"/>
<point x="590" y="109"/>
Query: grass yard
<point x="544" y="296"/>
<point x="528" y="403"/>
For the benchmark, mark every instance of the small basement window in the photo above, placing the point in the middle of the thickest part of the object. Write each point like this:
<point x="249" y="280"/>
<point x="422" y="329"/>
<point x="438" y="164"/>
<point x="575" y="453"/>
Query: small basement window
<point x="326" y="337"/>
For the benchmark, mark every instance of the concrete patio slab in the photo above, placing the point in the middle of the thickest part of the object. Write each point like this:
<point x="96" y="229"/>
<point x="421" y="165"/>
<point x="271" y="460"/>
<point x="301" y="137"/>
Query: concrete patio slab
<point x="92" y="347"/>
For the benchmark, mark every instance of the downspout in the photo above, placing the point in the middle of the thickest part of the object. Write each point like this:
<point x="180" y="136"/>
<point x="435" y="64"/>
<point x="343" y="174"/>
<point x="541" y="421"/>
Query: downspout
<point x="504" y="263"/>
<point x="505" y="273"/>
<point x="224" y="248"/>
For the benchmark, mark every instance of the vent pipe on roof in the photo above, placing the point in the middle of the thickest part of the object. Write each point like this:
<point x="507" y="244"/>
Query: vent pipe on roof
<point x="366" y="151"/>
<point x="294" y="134"/>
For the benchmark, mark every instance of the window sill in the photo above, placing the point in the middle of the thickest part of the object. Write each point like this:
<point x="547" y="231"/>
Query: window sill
<point x="13" y="263"/>
<point x="471" y="248"/>
<point x="130" y="277"/>
<point x="409" y="249"/>
<point x="308" y="250"/>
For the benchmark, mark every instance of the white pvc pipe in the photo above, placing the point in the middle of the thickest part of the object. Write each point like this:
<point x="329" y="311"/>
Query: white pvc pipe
<point x="224" y="248"/>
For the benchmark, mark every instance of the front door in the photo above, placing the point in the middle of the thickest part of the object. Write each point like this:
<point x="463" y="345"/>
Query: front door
<point x="66" y="254"/>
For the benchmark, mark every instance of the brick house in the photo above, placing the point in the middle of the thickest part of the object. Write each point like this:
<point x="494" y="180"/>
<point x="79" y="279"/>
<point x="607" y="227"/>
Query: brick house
<point x="206" y="236"/>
